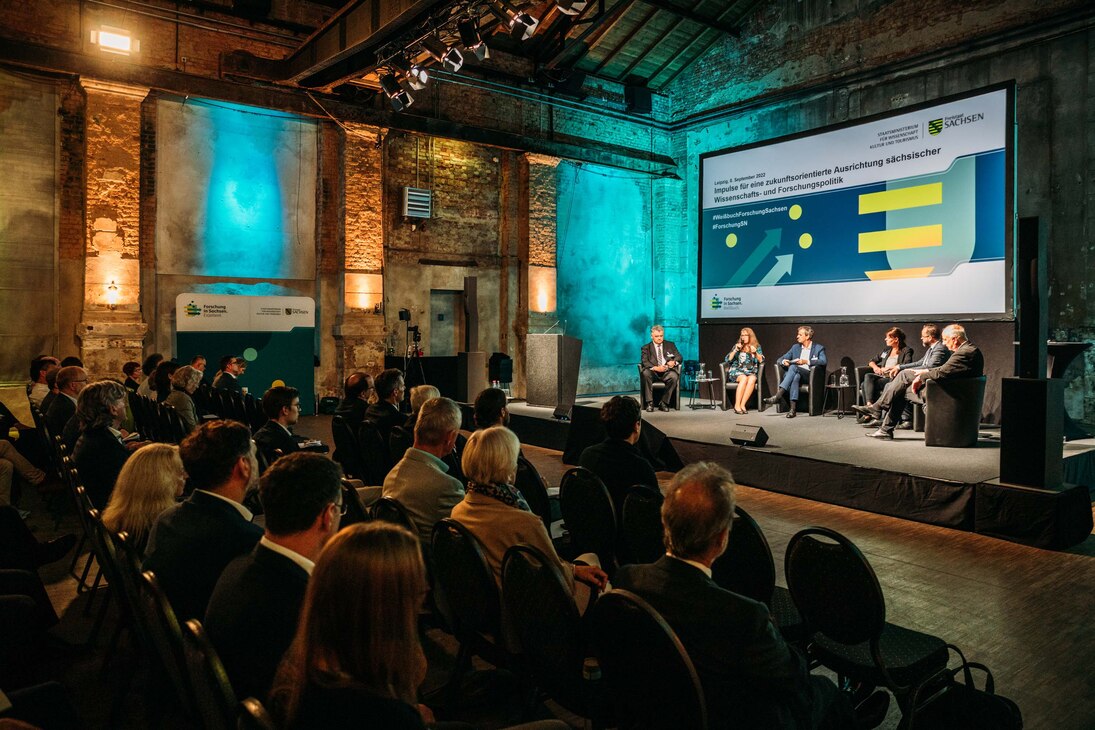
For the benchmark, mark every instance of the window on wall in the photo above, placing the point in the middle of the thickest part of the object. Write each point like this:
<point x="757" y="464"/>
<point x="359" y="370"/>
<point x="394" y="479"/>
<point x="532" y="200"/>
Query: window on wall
<point x="28" y="223"/>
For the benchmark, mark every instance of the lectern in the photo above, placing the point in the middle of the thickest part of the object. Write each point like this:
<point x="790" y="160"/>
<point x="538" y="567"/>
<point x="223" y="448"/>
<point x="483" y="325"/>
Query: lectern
<point x="551" y="372"/>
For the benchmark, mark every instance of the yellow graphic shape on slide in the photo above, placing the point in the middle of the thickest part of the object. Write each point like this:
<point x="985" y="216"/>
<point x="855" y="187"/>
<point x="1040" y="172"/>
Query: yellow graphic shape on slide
<point x="916" y="196"/>
<point x="901" y="238"/>
<point x="915" y="273"/>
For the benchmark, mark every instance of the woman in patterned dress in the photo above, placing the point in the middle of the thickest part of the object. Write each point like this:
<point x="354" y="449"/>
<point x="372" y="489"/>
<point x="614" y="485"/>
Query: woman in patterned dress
<point x="745" y="361"/>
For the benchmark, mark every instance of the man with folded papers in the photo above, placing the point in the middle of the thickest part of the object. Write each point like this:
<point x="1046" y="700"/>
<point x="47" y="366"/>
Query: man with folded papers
<point x="660" y="363"/>
<point x="965" y="361"/>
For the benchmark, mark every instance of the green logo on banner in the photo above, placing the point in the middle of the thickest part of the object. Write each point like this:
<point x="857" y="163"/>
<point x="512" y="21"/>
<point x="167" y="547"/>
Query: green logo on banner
<point x="192" y="310"/>
<point x="935" y="126"/>
<point x="716" y="303"/>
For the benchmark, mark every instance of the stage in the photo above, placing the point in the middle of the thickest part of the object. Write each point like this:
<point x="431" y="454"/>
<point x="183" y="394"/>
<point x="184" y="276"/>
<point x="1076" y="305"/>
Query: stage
<point x="829" y="459"/>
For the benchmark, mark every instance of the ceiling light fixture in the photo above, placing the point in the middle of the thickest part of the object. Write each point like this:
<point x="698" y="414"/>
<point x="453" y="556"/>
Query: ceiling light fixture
<point x="521" y="24"/>
<point x="115" y="40"/>
<point x="468" y="28"/>
<point x="397" y="94"/>
<point x="571" y="7"/>
<point x="448" y="56"/>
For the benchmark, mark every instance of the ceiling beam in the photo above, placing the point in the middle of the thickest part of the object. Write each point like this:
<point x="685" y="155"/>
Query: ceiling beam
<point x="687" y="14"/>
<point x="598" y="28"/>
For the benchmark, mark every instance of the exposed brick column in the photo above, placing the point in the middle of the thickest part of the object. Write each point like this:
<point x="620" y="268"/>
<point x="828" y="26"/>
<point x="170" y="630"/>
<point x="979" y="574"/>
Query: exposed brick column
<point x="360" y="331"/>
<point x="72" y="228"/>
<point x="542" y="264"/>
<point x="112" y="330"/>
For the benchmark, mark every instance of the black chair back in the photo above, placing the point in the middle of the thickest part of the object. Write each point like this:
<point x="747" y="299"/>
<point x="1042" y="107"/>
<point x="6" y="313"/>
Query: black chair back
<point x="355" y="510"/>
<point x="373" y="450"/>
<point x="253" y="716"/>
<point x="213" y="694"/>
<point x="532" y="487"/>
<point x="547" y="624"/>
<point x="390" y="509"/>
<point x="399" y="440"/>
<point x="641" y="533"/>
<point x="166" y="637"/>
<point x="347" y="452"/>
<point x="127" y="573"/>
<point x="589" y="515"/>
<point x="465" y="580"/>
<point x="834" y="587"/>
<point x="644" y="663"/>
<point x="747" y="566"/>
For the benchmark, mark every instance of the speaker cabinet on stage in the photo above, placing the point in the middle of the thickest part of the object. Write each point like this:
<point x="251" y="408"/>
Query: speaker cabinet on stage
<point x="1032" y="432"/>
<point x="551" y="371"/>
<point x="745" y="435"/>
<point x="471" y="375"/>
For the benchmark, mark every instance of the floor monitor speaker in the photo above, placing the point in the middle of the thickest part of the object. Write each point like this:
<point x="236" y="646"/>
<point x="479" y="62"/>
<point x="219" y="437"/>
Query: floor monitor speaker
<point x="745" y="435"/>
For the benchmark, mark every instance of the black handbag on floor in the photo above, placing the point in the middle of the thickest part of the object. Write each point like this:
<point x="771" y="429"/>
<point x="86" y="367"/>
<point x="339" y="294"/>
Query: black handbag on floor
<point x="960" y="705"/>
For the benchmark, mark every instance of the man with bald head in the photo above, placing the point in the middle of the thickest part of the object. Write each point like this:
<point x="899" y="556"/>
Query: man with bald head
<point x="355" y="400"/>
<point x="749" y="674"/>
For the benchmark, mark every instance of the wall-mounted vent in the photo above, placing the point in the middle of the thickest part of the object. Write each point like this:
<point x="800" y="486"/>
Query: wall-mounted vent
<point x="417" y="202"/>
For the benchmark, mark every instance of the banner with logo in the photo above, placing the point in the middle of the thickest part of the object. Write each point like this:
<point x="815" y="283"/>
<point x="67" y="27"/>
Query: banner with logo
<point x="274" y="335"/>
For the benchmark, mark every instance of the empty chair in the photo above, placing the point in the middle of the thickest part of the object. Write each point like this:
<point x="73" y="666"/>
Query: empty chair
<point x="166" y="639"/>
<point x="391" y="510"/>
<point x="840" y="599"/>
<point x="641" y="535"/>
<point x="215" y="702"/>
<point x="650" y="678"/>
<point x="531" y="486"/>
<point x="347" y="451"/>
<point x="549" y="630"/>
<point x="589" y="516"/>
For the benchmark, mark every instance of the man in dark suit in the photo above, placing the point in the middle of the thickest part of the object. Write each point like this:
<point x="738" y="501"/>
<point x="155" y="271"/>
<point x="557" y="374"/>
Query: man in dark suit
<point x="355" y="399"/>
<point x="750" y="677"/>
<point x="617" y="460"/>
<point x="660" y="362"/>
<point x="281" y="404"/>
<point x="385" y="413"/>
<point x="935" y="354"/>
<point x="191" y="543"/>
<point x="802" y="356"/>
<point x="965" y="361"/>
<point x="252" y="615"/>
<point x="228" y="378"/>
<point x="70" y="381"/>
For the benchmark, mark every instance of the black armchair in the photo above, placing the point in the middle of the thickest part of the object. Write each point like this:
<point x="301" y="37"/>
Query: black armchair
<point x="658" y="386"/>
<point x="951" y="413"/>
<point x="730" y="387"/>
<point x="812" y="388"/>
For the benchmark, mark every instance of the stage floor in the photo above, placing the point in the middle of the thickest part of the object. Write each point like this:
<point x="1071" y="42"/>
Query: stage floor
<point x="842" y="440"/>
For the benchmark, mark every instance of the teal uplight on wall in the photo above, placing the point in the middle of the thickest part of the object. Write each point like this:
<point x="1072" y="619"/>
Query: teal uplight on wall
<point x="235" y="191"/>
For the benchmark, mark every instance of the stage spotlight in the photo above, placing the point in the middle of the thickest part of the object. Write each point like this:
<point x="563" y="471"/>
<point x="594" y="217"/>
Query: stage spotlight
<point x="414" y="75"/>
<point x="448" y="56"/>
<point x="521" y="24"/>
<point x="571" y="7"/>
<point x="471" y="40"/>
<point x="398" y="95"/>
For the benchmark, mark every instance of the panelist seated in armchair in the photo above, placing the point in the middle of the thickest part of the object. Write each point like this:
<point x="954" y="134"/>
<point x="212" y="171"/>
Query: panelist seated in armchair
<point x="965" y="361"/>
<point x="935" y="354"/>
<point x="660" y="362"/>
<point x="876" y="376"/>
<point x="744" y="362"/>
<point x="802" y="356"/>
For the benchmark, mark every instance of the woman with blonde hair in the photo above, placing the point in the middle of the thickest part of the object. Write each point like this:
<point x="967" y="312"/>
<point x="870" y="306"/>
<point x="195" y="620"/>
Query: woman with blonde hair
<point x="356" y="660"/>
<point x="150" y="482"/>
<point x="745" y="361"/>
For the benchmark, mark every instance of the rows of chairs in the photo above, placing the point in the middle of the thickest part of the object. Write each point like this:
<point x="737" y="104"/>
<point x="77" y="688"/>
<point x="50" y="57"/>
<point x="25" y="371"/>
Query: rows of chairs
<point x="241" y="407"/>
<point x="156" y="421"/>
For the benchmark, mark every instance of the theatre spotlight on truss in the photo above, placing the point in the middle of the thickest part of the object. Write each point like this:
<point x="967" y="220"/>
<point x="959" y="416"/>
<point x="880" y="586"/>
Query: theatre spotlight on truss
<point x="571" y="7"/>
<point x="398" y="94"/>
<point x="521" y="24"/>
<point x="411" y="74"/>
<point x="448" y="56"/>
<point x="470" y="38"/>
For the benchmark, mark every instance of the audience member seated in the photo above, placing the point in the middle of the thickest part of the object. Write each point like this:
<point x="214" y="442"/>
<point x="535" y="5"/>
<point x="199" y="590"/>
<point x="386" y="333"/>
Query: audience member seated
<point x="70" y="381"/>
<point x="198" y="363"/>
<point x="802" y="356"/>
<point x="161" y="379"/>
<point x="228" y="378"/>
<point x="356" y="660"/>
<point x="897" y="353"/>
<point x="745" y="361"/>
<point x="39" y="368"/>
<point x="184" y="382"/>
<point x="148" y="367"/>
<point x="281" y="404"/>
<point x="421" y="480"/>
<point x="490" y="409"/>
<point x="191" y="543"/>
<point x="149" y="484"/>
<point x="750" y="677"/>
<point x="935" y="354"/>
<point x="617" y="460"/>
<point x="965" y="361"/>
<point x="51" y="383"/>
<point x="133" y="375"/>
<point x="253" y="612"/>
<point x="419" y="395"/>
<point x="498" y="516"/>
<point x="100" y="453"/>
<point x="72" y="361"/>
<point x="355" y="399"/>
<point x="12" y="464"/>
<point x="660" y="362"/>
<point x="385" y="413"/>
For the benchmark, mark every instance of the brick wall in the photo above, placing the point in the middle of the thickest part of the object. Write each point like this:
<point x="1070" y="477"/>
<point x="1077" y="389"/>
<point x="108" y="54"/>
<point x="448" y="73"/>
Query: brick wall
<point x="542" y="213"/>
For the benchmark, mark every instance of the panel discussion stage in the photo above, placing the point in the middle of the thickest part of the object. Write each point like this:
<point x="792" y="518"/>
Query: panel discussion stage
<point x="827" y="459"/>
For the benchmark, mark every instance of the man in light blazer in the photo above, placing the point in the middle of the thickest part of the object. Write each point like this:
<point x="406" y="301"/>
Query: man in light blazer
<point x="802" y="356"/>
<point x="661" y="362"/>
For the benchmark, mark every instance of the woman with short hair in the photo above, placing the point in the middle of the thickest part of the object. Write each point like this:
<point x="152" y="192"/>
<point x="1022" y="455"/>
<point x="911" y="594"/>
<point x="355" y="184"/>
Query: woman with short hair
<point x="150" y="482"/>
<point x="184" y="382"/>
<point x="99" y="453"/>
